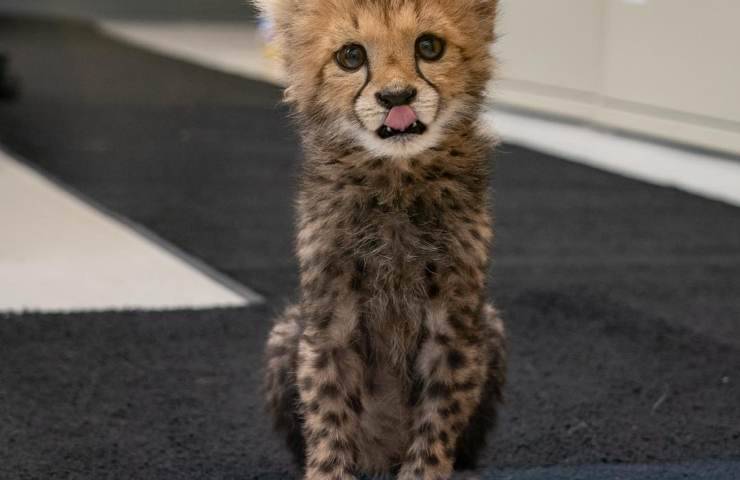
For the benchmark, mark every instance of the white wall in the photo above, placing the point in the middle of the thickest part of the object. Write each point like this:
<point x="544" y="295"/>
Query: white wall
<point x="666" y="68"/>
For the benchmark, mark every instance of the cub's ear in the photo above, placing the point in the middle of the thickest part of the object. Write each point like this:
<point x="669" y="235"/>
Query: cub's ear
<point x="277" y="15"/>
<point x="277" y="12"/>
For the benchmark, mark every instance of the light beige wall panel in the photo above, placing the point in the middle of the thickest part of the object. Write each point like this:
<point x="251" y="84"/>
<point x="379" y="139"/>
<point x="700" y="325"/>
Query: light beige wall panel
<point x="663" y="68"/>
<point x="682" y="56"/>
<point x="552" y="43"/>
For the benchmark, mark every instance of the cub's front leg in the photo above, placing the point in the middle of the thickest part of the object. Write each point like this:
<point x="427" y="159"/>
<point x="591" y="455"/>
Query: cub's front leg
<point x="451" y="368"/>
<point x="329" y="380"/>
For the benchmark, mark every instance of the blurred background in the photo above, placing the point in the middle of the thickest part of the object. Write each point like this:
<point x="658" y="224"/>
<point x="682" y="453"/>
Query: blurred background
<point x="660" y="68"/>
<point x="147" y="169"/>
<point x="655" y="68"/>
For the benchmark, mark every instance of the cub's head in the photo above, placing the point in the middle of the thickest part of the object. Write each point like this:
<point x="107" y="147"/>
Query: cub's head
<point x="392" y="75"/>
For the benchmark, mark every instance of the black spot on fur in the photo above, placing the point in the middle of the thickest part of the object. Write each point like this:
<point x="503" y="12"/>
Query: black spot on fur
<point x="433" y="290"/>
<point x="358" y="275"/>
<point x="355" y="403"/>
<point x="431" y="459"/>
<point x="417" y="212"/>
<point x="322" y="360"/>
<point x="457" y="323"/>
<point x="431" y="269"/>
<point x="341" y="445"/>
<point x="456" y="359"/>
<point x="324" y="321"/>
<point x="438" y="390"/>
<point x="433" y="173"/>
<point x="332" y="418"/>
<point x="329" y="465"/>
<point x="329" y="390"/>
<point x="466" y="386"/>
<point x="425" y="429"/>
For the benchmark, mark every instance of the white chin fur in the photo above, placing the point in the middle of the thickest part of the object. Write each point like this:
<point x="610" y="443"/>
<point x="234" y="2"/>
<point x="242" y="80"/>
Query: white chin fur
<point x="400" y="147"/>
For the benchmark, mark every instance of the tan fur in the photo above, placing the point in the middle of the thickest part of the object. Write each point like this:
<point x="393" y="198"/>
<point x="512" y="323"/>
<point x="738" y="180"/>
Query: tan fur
<point x="392" y="356"/>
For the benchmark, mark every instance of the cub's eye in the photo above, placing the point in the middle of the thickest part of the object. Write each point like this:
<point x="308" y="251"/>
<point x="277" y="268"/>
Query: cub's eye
<point x="430" y="47"/>
<point x="351" y="57"/>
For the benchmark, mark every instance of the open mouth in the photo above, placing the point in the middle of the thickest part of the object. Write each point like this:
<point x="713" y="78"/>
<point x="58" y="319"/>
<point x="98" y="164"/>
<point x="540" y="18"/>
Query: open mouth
<point x="401" y="120"/>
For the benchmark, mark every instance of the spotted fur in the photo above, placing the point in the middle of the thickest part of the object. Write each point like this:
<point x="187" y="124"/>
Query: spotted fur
<point x="392" y="361"/>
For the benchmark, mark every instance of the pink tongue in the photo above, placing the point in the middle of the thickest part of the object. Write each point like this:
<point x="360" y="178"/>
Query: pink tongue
<point x="400" y="118"/>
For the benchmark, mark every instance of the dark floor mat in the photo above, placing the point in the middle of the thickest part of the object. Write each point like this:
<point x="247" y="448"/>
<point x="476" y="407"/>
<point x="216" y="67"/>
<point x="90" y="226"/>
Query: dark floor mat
<point x="141" y="10"/>
<point x="621" y="298"/>
<point x="684" y="471"/>
<point x="175" y="395"/>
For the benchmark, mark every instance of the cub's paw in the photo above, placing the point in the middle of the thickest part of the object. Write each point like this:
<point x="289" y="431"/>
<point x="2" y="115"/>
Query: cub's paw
<point x="420" y="474"/>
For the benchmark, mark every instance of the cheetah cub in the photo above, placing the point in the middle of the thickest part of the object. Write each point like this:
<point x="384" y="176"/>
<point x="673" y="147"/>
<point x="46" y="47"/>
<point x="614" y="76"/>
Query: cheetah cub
<point x="392" y="362"/>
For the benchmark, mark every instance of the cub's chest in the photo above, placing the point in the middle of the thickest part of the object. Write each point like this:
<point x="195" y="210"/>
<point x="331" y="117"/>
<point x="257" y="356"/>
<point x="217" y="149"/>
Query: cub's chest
<point x="403" y="228"/>
<point x="394" y="241"/>
<point x="390" y="234"/>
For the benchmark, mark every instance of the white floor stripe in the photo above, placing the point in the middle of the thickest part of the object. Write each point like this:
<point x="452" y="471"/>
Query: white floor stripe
<point x="59" y="254"/>
<point x="231" y="48"/>
<point x="236" y="49"/>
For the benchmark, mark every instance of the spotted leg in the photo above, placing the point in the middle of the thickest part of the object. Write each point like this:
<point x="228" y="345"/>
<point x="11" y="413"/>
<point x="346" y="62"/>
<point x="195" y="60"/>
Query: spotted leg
<point x="329" y="382"/>
<point x="452" y="368"/>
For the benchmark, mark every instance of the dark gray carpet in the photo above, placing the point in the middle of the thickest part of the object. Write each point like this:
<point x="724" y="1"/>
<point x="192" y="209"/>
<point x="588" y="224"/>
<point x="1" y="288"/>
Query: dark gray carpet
<point x="693" y="471"/>
<point x="147" y="10"/>
<point x="621" y="298"/>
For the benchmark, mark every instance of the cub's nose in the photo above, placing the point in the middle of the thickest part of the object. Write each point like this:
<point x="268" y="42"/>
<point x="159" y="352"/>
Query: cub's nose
<point x="395" y="98"/>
